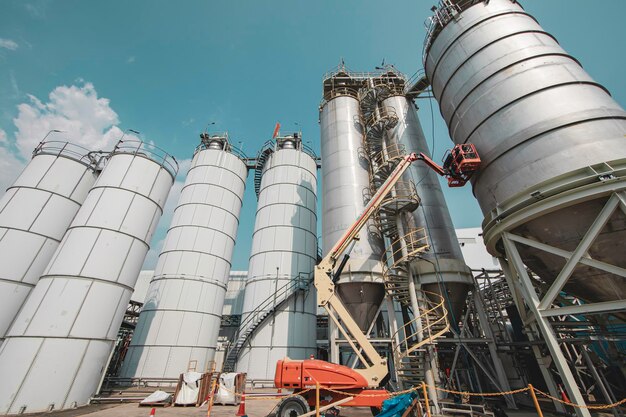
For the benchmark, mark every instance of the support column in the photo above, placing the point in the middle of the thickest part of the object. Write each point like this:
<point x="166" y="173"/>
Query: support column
<point x="495" y="358"/>
<point x="543" y="361"/>
<point x="544" y="326"/>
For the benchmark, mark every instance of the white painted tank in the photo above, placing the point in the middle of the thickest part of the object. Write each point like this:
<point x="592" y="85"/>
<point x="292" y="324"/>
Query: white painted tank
<point x="34" y="215"/>
<point x="180" y="321"/>
<point x="284" y="253"/>
<point x="57" y="349"/>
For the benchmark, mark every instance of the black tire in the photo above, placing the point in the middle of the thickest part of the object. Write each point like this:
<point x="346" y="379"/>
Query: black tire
<point x="375" y="410"/>
<point x="292" y="407"/>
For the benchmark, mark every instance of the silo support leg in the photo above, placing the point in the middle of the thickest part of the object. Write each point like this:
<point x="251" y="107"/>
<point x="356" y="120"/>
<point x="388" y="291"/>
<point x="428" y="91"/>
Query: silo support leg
<point x="543" y="361"/>
<point x="532" y="300"/>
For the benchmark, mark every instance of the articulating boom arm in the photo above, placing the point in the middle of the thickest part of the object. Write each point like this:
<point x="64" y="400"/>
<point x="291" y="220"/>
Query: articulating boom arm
<point x="375" y="366"/>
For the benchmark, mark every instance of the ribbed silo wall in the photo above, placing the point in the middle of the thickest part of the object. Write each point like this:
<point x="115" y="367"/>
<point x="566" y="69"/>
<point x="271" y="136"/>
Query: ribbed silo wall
<point x="442" y="269"/>
<point x="57" y="349"/>
<point x="34" y="215"/>
<point x="180" y="319"/>
<point x="536" y="118"/>
<point x="284" y="249"/>
<point x="345" y="185"/>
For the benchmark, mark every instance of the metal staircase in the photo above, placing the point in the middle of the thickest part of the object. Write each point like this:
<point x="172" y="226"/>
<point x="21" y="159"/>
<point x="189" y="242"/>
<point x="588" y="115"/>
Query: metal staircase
<point x="257" y="317"/>
<point x="431" y="321"/>
<point x="266" y="150"/>
<point x="416" y="85"/>
<point x="396" y="261"/>
<point x="410" y="353"/>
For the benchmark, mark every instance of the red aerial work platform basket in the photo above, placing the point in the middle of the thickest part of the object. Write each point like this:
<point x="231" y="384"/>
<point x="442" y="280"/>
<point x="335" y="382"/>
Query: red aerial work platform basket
<point x="461" y="163"/>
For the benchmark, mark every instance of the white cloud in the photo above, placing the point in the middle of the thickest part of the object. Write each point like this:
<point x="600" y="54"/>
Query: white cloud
<point x="130" y="60"/>
<point x="8" y="44"/>
<point x="84" y="118"/>
<point x="10" y="169"/>
<point x="10" y="165"/>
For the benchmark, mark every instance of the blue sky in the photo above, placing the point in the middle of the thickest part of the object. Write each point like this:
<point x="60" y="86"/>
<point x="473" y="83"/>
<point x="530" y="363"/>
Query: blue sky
<point x="167" y="69"/>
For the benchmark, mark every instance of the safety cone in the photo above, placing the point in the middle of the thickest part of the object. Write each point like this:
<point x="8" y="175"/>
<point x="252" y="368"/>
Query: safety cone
<point x="242" y="406"/>
<point x="152" y="412"/>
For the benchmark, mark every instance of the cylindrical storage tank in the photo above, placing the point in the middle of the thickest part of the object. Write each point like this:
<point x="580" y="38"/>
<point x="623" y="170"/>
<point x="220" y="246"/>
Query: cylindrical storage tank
<point x="283" y="256"/>
<point x="56" y="351"/>
<point x="539" y="123"/>
<point x="345" y="187"/>
<point x="442" y="269"/>
<point x="34" y="215"/>
<point x="180" y="319"/>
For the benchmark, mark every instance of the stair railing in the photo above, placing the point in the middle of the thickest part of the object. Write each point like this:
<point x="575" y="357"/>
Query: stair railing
<point x="434" y="323"/>
<point x="301" y="282"/>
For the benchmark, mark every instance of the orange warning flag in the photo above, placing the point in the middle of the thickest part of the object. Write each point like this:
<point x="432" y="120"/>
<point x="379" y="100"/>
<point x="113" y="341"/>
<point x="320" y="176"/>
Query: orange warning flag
<point x="276" y="130"/>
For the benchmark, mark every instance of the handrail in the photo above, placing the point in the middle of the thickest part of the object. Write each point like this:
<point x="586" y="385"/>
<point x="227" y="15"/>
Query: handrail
<point x="384" y="114"/>
<point x="65" y="149"/>
<point x="274" y="298"/>
<point x="391" y="153"/>
<point x="436" y="308"/>
<point x="415" y="242"/>
<point x="228" y="146"/>
<point x="150" y="151"/>
<point x="404" y="192"/>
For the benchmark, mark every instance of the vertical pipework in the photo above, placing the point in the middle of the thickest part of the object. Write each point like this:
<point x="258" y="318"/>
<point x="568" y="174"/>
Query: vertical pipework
<point x="345" y="185"/>
<point x="279" y="307"/>
<point x="442" y="269"/>
<point x="34" y="215"/>
<point x="57" y="349"/>
<point x="180" y="319"/>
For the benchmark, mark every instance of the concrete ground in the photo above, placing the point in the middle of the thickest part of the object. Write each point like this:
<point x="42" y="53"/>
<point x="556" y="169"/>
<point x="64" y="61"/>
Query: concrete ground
<point x="254" y="408"/>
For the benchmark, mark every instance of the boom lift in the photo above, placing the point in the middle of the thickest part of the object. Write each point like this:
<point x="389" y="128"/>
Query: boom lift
<point x="459" y="165"/>
<point x="364" y="384"/>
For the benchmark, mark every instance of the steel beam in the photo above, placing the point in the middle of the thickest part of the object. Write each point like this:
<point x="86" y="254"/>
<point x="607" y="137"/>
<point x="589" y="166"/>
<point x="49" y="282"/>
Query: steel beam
<point x="584" y="245"/>
<point x="532" y="301"/>
<point x="592" y="308"/>
<point x="567" y="255"/>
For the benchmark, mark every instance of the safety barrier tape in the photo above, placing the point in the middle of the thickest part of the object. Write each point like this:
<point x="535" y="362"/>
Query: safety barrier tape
<point x="418" y="387"/>
<point x="591" y="407"/>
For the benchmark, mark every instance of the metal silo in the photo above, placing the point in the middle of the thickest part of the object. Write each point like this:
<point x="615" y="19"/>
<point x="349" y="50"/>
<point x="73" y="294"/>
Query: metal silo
<point x="442" y="269"/>
<point x="57" y="349"/>
<point x="550" y="138"/>
<point x="279" y="309"/>
<point x="179" y="323"/>
<point x="552" y="180"/>
<point x="34" y="215"/>
<point x="345" y="189"/>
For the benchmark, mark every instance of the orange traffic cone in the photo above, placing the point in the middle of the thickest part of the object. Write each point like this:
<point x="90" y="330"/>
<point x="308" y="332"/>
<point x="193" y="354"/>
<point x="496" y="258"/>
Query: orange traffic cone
<point x="152" y="412"/>
<point x="242" y="406"/>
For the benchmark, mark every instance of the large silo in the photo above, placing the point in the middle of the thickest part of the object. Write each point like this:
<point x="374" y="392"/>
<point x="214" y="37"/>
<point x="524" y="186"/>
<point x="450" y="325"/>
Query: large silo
<point x="57" y="349"/>
<point x="550" y="138"/>
<point x="34" y="215"/>
<point x="442" y="269"/>
<point x="180" y="320"/>
<point x="345" y="188"/>
<point x="279" y="308"/>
